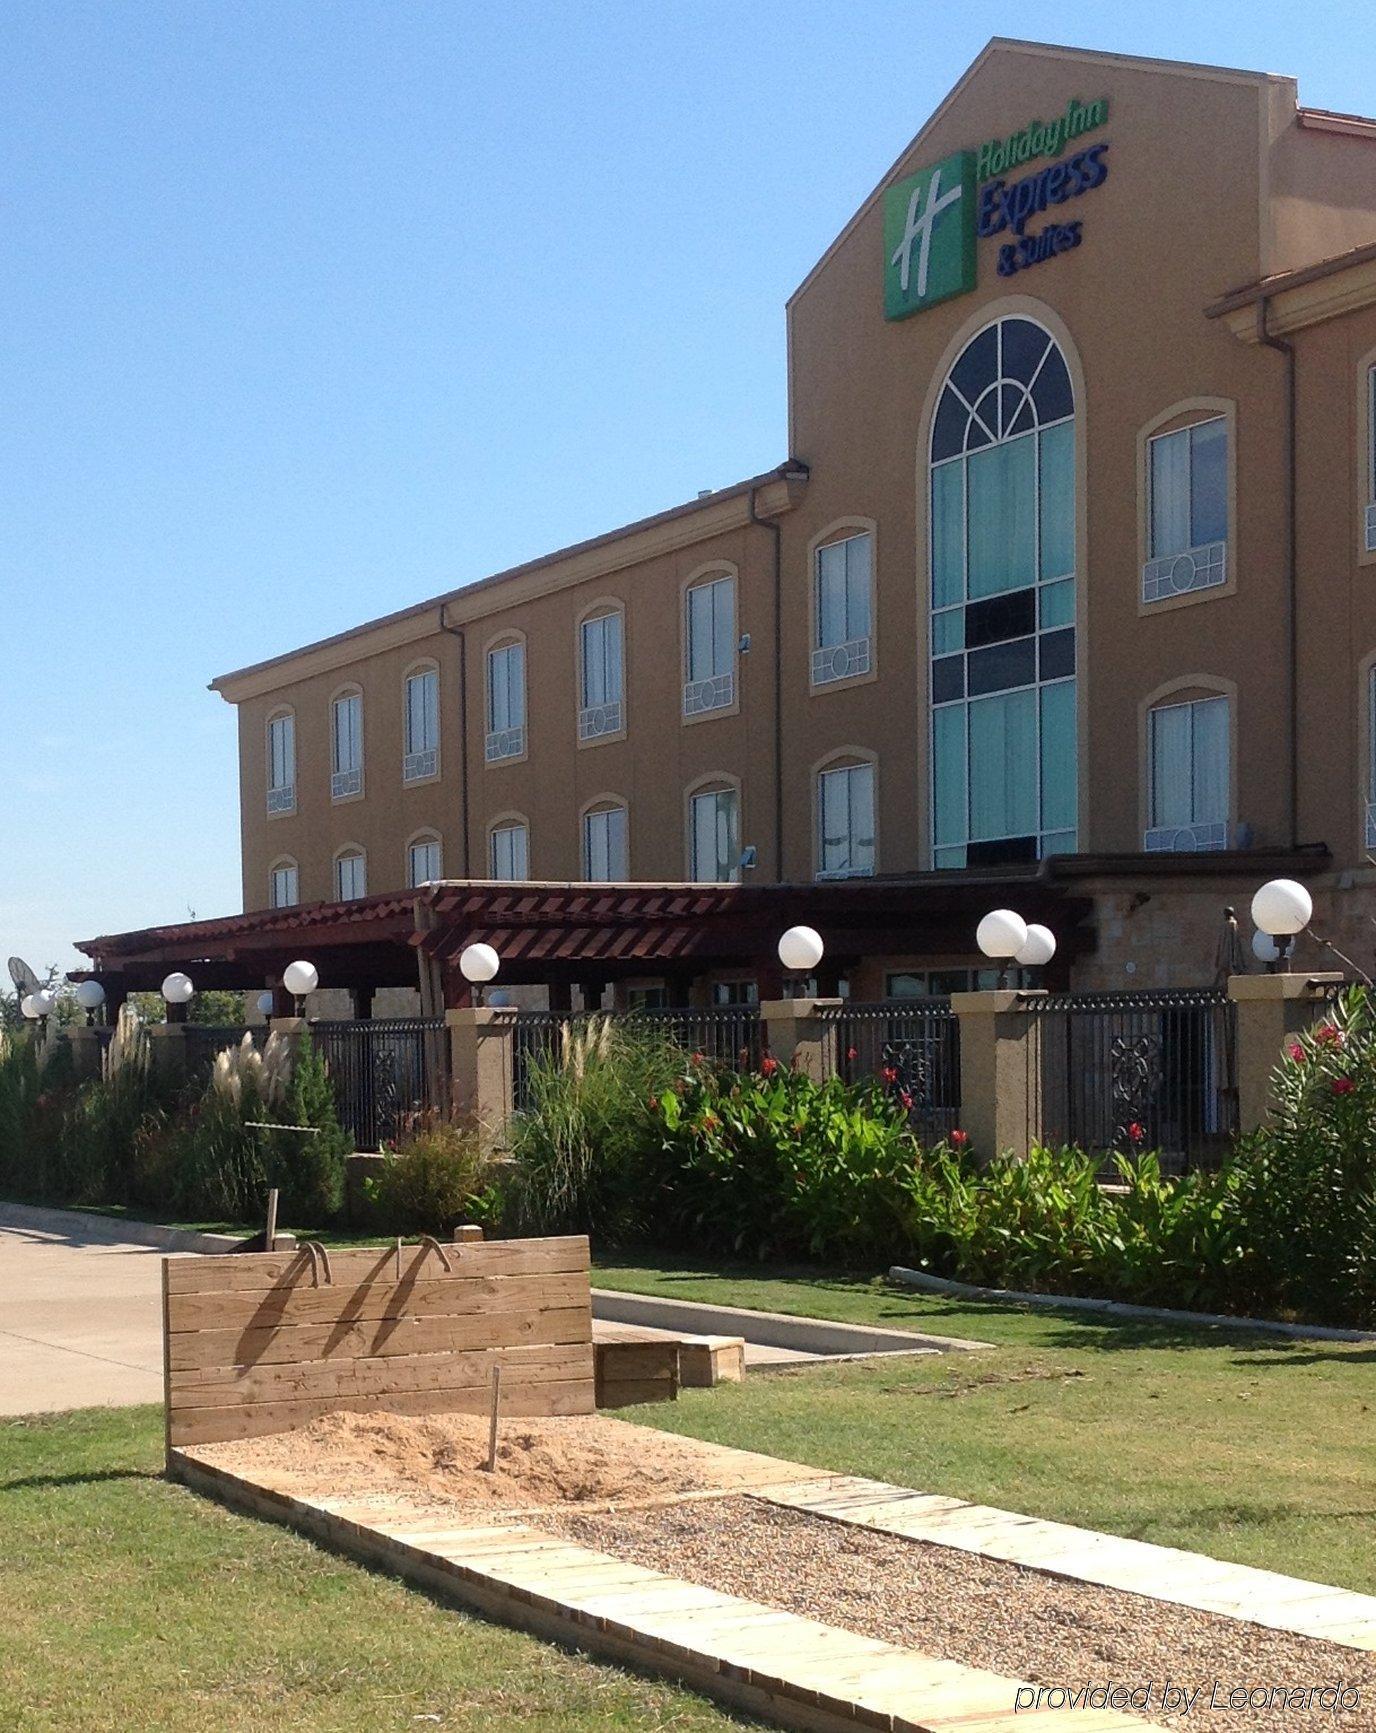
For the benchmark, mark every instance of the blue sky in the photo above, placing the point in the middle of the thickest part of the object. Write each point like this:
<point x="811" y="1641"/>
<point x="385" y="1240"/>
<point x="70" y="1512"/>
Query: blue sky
<point x="312" y="310"/>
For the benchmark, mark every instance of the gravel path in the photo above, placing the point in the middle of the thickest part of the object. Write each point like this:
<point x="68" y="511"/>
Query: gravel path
<point x="986" y="1613"/>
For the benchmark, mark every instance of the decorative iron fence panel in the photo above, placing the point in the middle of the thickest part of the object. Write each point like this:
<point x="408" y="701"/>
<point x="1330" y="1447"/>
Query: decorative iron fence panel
<point x="912" y="1046"/>
<point x="383" y="1071"/>
<point x="1125" y="1072"/>
<point x="727" y="1034"/>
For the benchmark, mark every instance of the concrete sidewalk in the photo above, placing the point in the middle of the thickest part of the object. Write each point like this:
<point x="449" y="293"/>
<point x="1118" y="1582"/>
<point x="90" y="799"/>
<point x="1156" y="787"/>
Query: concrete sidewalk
<point x="80" y="1315"/>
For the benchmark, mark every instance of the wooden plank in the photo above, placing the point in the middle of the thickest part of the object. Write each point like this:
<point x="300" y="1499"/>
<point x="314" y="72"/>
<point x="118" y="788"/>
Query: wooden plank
<point x="525" y="1401"/>
<point x="453" y="1296"/>
<point x="352" y="1266"/>
<point x="302" y="1343"/>
<point x="215" y="1388"/>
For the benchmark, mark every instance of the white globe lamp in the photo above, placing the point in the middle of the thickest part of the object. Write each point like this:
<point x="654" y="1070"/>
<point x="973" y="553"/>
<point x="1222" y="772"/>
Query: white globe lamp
<point x="1282" y="908"/>
<point x="800" y="950"/>
<point x="478" y="964"/>
<point x="300" y="978"/>
<point x="1264" y="948"/>
<point x="90" y="995"/>
<point x="265" y="1004"/>
<point x="30" y="1007"/>
<point x="177" y="991"/>
<point x="1037" y="949"/>
<point x="1001" y="935"/>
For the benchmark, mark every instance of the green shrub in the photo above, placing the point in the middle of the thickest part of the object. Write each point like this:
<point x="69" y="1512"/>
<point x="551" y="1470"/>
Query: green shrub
<point x="438" y="1176"/>
<point x="581" y="1143"/>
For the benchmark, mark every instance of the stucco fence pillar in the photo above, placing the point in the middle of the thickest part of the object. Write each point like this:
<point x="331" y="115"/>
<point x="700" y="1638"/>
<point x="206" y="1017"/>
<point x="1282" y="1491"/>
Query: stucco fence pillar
<point x="482" y="1051"/>
<point x="801" y="1034"/>
<point x="1271" y="1011"/>
<point x="167" y="1050"/>
<point x="88" y="1051"/>
<point x="1000" y="1071"/>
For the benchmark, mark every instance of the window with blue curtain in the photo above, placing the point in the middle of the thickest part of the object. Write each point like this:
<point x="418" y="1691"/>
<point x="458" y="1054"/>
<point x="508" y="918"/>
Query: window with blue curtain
<point x="1002" y="562"/>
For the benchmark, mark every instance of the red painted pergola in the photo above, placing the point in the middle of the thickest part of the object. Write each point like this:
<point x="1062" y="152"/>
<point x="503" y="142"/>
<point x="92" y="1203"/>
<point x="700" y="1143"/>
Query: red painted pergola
<point x="558" y="935"/>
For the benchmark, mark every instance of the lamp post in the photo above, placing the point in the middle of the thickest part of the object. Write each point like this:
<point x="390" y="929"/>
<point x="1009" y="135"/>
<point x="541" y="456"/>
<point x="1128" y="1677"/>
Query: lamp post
<point x="800" y="951"/>
<point x="1001" y="935"/>
<point x="478" y="964"/>
<point x="90" y="995"/>
<point x="37" y="1007"/>
<point x="300" y="979"/>
<point x="1038" y="949"/>
<point x="1281" y="909"/>
<point x="177" y="992"/>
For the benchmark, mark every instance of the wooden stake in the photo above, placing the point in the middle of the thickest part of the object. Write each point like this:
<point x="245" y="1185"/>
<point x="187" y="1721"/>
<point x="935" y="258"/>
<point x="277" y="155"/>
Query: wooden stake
<point x="492" y="1423"/>
<point x="270" y="1232"/>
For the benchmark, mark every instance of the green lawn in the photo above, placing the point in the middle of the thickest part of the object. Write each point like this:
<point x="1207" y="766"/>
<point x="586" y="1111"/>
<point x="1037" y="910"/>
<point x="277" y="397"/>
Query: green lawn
<point x="1238" y="1444"/>
<point x="129" y="1603"/>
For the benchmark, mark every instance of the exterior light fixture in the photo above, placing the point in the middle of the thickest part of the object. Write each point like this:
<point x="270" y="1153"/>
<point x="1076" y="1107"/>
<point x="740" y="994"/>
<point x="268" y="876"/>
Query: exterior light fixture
<point x="1037" y="949"/>
<point x="37" y="1006"/>
<point x="90" y="995"/>
<point x="478" y="964"/>
<point x="1001" y="935"/>
<point x="265" y="1004"/>
<point x="177" y="988"/>
<point x="800" y="949"/>
<point x="1264" y="947"/>
<point x="300" y="979"/>
<point x="1282" y="908"/>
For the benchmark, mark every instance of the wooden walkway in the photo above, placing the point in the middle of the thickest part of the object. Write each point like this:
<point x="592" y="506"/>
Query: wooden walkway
<point x="793" y="1672"/>
<point x="1163" y="1573"/>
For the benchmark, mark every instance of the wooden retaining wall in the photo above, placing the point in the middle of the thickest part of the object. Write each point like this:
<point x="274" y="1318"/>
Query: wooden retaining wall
<point x="261" y="1341"/>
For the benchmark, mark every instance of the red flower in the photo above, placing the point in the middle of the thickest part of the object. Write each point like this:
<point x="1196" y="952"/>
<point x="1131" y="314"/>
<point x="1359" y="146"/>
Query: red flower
<point x="698" y="1058"/>
<point x="654" y="1104"/>
<point x="1136" y="1132"/>
<point x="852" y="1053"/>
<point x="1343" y="1086"/>
<point x="959" y="1139"/>
<point x="889" y="1074"/>
<point x="1329" y="1034"/>
<point x="906" y="1099"/>
<point x="769" y="1065"/>
<point x="1296" y="1052"/>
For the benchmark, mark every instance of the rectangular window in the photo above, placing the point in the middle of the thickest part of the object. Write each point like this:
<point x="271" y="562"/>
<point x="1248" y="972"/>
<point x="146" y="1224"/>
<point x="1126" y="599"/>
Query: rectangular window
<point x="282" y="764"/>
<point x="715" y="836"/>
<point x="350" y="877"/>
<point x="1187" y="486"/>
<point x="423" y="862"/>
<point x="346" y="746"/>
<point x="1003" y="517"/>
<point x="604" y="846"/>
<point x="1188" y="775"/>
<point x="511" y="852"/>
<point x="710" y="631"/>
<point x="841" y="628"/>
<point x="600" y="711"/>
<point x="422" y="726"/>
<point x="845" y="815"/>
<point x="283" y="886"/>
<point x="506" y="703"/>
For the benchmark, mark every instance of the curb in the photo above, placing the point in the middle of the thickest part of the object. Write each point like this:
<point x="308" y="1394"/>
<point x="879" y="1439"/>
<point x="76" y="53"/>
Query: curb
<point x="116" y="1229"/>
<point x="1121" y="1309"/>
<point x="823" y="1336"/>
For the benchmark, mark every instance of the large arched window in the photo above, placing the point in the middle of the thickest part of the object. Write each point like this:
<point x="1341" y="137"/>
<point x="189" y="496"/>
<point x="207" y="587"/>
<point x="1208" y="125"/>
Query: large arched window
<point x="1002" y="478"/>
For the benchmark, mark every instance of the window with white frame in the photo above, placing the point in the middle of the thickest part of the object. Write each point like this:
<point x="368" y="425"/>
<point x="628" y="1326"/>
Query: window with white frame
<point x="510" y="852"/>
<point x="841" y="610"/>
<point x="1187" y="510"/>
<point x="282" y="763"/>
<point x="605" y="853"/>
<point x="346" y="745"/>
<point x="715" y="836"/>
<point x="845" y="821"/>
<point x="1369" y="510"/>
<point x="423" y="864"/>
<point x="350" y="875"/>
<point x="710" y="646"/>
<point x="506" y="702"/>
<point x="421" y="755"/>
<point x="1188" y="777"/>
<point x="600" y="709"/>
<point x="284" y="885"/>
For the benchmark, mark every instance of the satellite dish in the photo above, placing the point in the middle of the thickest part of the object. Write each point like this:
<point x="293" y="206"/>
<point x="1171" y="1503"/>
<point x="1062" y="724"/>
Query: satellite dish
<point x="25" y="981"/>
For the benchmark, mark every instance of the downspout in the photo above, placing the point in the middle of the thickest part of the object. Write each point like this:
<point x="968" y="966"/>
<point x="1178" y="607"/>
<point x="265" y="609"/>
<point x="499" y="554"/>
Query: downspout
<point x="457" y="632"/>
<point x="1291" y="562"/>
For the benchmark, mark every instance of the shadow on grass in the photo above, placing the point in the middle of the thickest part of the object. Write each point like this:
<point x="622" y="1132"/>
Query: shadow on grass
<point x="93" y="1477"/>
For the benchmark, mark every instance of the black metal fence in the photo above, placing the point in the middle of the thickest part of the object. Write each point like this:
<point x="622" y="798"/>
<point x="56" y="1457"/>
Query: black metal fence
<point x="912" y="1046"/>
<point x="726" y="1034"/>
<point x="384" y="1071"/>
<point x="1126" y="1072"/>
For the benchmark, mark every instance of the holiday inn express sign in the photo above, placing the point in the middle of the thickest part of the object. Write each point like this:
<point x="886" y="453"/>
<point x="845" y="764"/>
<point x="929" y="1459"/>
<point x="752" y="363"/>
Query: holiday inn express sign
<point x="933" y="218"/>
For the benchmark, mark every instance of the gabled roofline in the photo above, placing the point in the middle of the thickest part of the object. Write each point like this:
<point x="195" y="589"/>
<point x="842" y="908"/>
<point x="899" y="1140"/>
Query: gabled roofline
<point x="774" y="492"/>
<point x="1050" y="51"/>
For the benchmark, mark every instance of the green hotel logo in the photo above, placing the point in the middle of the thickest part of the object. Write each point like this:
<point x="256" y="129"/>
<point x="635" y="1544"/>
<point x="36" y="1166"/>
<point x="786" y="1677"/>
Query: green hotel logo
<point x="929" y="236"/>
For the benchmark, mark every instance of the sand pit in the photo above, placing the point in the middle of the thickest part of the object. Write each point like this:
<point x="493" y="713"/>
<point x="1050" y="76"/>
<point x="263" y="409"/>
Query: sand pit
<point x="439" y="1462"/>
